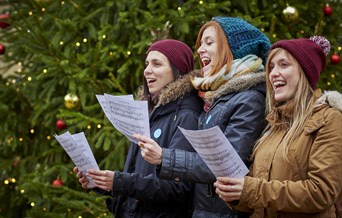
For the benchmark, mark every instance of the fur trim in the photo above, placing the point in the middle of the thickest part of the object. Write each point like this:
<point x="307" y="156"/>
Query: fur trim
<point x="172" y="91"/>
<point x="332" y="98"/>
<point x="175" y="90"/>
<point x="241" y="83"/>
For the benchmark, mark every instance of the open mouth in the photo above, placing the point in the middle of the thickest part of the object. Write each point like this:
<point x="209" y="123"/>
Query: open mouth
<point x="150" y="81"/>
<point x="206" y="61"/>
<point x="279" y="84"/>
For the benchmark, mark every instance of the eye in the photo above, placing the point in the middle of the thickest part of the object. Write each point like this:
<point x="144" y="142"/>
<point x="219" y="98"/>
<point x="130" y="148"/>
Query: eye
<point x="271" y="66"/>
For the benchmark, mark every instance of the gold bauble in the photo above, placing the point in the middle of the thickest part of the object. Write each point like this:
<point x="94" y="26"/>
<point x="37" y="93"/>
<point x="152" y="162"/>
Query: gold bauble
<point x="71" y="101"/>
<point x="290" y="14"/>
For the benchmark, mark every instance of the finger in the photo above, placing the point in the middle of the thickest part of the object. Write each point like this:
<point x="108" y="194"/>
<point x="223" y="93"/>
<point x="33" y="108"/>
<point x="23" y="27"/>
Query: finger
<point x="141" y="144"/>
<point x="75" y="169"/>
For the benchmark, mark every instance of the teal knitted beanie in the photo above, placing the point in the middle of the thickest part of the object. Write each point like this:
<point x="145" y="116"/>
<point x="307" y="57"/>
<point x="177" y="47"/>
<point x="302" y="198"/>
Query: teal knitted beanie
<point x="244" y="38"/>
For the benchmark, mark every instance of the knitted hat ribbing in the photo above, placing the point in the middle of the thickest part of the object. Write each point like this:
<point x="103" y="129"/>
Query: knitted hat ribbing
<point x="244" y="38"/>
<point x="178" y="53"/>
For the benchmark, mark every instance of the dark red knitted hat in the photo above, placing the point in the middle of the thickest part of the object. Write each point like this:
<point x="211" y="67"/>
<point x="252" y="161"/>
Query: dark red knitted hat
<point x="310" y="53"/>
<point x="178" y="53"/>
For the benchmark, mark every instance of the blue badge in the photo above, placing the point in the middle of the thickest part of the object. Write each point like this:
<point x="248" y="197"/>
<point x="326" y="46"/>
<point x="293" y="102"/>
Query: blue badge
<point x="208" y="119"/>
<point x="157" y="133"/>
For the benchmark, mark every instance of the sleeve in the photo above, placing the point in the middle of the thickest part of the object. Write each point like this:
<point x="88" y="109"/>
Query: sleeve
<point x="318" y="191"/>
<point x="243" y="123"/>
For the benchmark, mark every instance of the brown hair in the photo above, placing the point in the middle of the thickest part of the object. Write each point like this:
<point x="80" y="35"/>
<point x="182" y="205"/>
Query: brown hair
<point x="224" y="53"/>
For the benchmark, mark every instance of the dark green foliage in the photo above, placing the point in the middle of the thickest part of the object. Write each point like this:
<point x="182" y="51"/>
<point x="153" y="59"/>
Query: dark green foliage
<point x="93" y="47"/>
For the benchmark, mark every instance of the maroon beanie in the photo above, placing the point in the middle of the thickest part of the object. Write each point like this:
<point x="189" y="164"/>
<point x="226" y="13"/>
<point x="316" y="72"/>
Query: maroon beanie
<point x="178" y="53"/>
<point x="310" y="53"/>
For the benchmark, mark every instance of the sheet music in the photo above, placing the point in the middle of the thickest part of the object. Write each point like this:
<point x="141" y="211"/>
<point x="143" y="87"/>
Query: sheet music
<point x="128" y="116"/>
<point x="216" y="151"/>
<point x="78" y="149"/>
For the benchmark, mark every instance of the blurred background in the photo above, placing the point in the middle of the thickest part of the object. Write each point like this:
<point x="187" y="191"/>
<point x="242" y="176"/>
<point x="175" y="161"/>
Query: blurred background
<point x="56" y="55"/>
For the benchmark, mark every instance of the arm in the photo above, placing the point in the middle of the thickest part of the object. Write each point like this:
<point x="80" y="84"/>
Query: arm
<point x="242" y="123"/>
<point x="316" y="193"/>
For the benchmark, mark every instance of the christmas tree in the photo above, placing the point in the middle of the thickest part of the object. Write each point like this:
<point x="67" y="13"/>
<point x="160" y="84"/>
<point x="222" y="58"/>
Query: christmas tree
<point x="55" y="56"/>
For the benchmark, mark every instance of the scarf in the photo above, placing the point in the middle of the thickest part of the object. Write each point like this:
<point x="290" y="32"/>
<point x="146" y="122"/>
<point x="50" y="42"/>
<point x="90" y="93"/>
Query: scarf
<point x="208" y="85"/>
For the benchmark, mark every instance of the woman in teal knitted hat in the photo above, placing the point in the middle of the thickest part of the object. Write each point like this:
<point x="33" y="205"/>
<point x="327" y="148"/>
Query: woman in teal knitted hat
<point x="231" y="81"/>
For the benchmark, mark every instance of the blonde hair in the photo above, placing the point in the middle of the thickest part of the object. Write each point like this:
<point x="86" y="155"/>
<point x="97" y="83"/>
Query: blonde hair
<point x="223" y="50"/>
<point x="303" y="101"/>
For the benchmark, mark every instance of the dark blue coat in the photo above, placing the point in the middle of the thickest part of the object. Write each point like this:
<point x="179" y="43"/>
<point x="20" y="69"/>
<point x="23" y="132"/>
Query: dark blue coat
<point x="240" y="113"/>
<point x="137" y="191"/>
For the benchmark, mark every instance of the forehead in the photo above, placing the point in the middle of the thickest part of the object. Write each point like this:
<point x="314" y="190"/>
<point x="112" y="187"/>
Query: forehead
<point x="209" y="32"/>
<point x="156" y="55"/>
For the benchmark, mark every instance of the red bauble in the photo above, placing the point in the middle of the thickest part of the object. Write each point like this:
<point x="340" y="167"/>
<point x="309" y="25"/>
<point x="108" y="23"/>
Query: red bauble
<point x="335" y="59"/>
<point x="4" y="16"/>
<point x="3" y="25"/>
<point x="327" y="10"/>
<point x="2" y="49"/>
<point x="57" y="183"/>
<point x="60" y="124"/>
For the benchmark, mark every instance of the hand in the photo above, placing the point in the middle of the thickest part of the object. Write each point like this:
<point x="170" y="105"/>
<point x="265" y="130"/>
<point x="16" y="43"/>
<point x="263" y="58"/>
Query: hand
<point x="150" y="150"/>
<point x="102" y="178"/>
<point x="81" y="178"/>
<point x="229" y="189"/>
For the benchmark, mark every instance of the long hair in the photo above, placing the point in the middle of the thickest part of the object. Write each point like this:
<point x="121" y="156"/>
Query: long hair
<point x="303" y="99"/>
<point x="146" y="95"/>
<point x="225" y="56"/>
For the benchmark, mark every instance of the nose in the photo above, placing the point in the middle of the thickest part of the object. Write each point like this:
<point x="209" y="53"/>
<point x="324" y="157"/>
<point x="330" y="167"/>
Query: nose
<point x="147" y="70"/>
<point x="201" y="49"/>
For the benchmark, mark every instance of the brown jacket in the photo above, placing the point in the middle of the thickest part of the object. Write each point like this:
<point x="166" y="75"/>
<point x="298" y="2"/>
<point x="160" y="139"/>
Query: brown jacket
<point x="309" y="185"/>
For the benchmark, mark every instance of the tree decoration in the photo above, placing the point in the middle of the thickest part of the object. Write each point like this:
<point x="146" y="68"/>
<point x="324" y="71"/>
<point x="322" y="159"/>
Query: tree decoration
<point x="60" y="124"/>
<point x="2" y="49"/>
<point x="71" y="101"/>
<point x="335" y="59"/>
<point x="57" y="183"/>
<point x="4" y="20"/>
<point x="327" y="10"/>
<point x="290" y="14"/>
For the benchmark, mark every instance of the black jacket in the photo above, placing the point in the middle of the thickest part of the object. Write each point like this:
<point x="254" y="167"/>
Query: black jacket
<point x="239" y="111"/>
<point x="137" y="191"/>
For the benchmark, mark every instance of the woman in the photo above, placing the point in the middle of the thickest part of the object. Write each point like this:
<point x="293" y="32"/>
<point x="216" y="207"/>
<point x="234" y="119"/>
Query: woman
<point x="232" y="84"/>
<point x="173" y="102"/>
<point x="297" y="163"/>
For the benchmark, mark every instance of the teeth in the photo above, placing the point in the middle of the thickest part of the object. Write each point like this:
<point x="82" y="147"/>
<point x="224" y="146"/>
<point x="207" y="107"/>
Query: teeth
<point x="206" y="60"/>
<point x="279" y="83"/>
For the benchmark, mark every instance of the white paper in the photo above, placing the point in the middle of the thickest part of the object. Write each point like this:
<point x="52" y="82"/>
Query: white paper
<point x="128" y="116"/>
<point x="78" y="149"/>
<point x="217" y="152"/>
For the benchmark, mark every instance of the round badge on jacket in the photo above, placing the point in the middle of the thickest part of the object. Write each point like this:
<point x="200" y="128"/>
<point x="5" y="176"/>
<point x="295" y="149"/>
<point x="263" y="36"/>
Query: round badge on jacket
<point x="157" y="133"/>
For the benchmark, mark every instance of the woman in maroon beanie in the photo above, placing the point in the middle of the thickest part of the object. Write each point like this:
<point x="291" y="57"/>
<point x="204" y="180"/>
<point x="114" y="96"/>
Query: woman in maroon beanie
<point x="297" y="163"/>
<point x="173" y="102"/>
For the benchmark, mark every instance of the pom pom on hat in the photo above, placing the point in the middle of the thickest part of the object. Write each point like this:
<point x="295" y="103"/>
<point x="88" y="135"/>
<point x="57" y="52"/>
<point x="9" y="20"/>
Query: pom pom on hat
<point x="244" y="38"/>
<point x="310" y="53"/>
<point x="177" y="52"/>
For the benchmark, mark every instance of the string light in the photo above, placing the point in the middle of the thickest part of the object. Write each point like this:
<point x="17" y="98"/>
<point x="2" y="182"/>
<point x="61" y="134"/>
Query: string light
<point x="78" y="44"/>
<point x="179" y="8"/>
<point x="32" y="131"/>
<point x="104" y="36"/>
<point x="22" y="191"/>
<point x="30" y="13"/>
<point x="128" y="52"/>
<point x="6" y="182"/>
<point x="85" y="40"/>
<point x="200" y="2"/>
<point x="21" y="139"/>
<point x="32" y="204"/>
<point x="61" y="42"/>
<point x="45" y="71"/>
<point x="98" y="126"/>
<point x="29" y="79"/>
<point x="48" y="137"/>
<point x="88" y="127"/>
